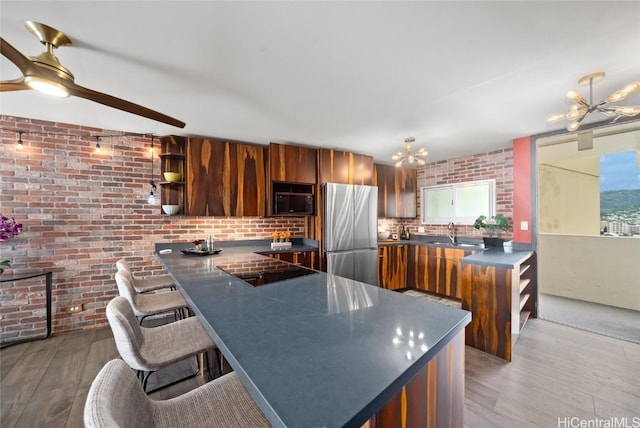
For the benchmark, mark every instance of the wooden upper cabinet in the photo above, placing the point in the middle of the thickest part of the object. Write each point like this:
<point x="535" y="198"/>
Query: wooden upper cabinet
<point x="397" y="188"/>
<point x="361" y="169"/>
<point x="225" y="178"/>
<point x="337" y="166"/>
<point x="293" y="164"/>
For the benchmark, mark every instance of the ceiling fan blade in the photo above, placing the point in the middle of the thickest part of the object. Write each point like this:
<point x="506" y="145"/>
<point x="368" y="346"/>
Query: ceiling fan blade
<point x="28" y="67"/>
<point x="25" y="65"/>
<point x="120" y="104"/>
<point x="13" y="85"/>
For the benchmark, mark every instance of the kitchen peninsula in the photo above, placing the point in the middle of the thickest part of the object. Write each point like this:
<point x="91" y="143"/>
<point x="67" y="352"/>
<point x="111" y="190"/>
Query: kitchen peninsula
<point x="321" y="350"/>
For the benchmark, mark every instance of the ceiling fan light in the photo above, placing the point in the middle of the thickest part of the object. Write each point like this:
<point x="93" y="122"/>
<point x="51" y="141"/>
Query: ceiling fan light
<point x="46" y="86"/>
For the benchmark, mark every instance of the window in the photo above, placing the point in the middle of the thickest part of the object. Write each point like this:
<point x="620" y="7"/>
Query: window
<point x="620" y="194"/>
<point x="461" y="203"/>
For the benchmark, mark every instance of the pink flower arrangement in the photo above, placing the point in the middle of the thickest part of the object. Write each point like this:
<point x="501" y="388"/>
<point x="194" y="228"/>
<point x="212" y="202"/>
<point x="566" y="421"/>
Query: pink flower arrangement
<point x="9" y="228"/>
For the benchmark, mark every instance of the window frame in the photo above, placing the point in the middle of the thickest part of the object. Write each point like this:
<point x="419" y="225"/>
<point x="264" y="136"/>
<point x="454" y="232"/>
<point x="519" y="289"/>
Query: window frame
<point x="455" y="217"/>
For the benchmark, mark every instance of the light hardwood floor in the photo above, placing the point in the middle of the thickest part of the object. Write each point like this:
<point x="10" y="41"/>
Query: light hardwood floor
<point x="556" y="372"/>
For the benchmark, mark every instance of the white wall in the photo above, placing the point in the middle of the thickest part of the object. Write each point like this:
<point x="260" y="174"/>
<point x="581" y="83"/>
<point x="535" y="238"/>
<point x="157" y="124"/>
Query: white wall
<point x="569" y="197"/>
<point x="597" y="269"/>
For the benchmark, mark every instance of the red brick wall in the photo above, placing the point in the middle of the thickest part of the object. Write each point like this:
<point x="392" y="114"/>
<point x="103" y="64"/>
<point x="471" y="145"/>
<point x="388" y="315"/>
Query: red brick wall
<point x="82" y="212"/>
<point x="496" y="165"/>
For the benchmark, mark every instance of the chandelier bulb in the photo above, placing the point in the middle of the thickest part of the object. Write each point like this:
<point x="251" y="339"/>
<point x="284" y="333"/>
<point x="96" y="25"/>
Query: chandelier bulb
<point x="632" y="87"/>
<point x="616" y="96"/>
<point x="574" y="96"/>
<point x="573" y="126"/>
<point x="628" y="110"/>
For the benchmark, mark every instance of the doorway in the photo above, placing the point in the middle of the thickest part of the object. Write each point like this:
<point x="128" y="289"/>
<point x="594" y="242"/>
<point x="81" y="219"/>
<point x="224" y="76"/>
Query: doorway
<point x="588" y="274"/>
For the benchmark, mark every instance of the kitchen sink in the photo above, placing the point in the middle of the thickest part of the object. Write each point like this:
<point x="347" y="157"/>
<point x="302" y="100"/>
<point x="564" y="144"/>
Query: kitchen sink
<point x="457" y="244"/>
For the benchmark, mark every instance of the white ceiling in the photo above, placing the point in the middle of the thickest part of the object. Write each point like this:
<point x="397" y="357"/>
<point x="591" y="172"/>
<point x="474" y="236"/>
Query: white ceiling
<point x="460" y="77"/>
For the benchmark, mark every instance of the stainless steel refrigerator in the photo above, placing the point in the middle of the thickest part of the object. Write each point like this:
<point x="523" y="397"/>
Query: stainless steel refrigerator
<point x="350" y="231"/>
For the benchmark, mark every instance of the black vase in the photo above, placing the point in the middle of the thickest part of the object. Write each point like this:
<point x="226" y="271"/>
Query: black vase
<point x="493" y="242"/>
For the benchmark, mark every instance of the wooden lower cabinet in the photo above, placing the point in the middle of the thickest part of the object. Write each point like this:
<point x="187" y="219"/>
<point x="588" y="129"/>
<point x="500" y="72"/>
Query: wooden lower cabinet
<point x="392" y="266"/>
<point x="438" y="270"/>
<point x="500" y="300"/>
<point x="303" y="258"/>
<point x="434" y="398"/>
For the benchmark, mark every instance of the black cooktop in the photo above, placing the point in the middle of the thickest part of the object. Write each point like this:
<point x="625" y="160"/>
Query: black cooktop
<point x="264" y="271"/>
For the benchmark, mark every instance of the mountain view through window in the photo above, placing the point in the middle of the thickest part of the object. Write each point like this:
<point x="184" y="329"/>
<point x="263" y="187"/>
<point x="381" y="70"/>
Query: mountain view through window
<point x="620" y="194"/>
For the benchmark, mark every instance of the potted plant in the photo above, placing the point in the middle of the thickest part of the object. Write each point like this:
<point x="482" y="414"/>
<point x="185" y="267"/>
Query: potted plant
<point x="8" y="229"/>
<point x="492" y="225"/>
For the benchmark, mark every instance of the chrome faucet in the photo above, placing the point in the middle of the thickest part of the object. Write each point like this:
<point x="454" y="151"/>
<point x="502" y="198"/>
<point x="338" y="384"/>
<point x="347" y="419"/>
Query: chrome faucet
<point x="452" y="232"/>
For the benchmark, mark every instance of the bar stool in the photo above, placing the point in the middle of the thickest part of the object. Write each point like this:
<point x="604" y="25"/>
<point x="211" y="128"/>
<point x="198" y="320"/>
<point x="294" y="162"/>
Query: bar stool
<point x="116" y="399"/>
<point x="145" y="305"/>
<point x="146" y="284"/>
<point x="149" y="349"/>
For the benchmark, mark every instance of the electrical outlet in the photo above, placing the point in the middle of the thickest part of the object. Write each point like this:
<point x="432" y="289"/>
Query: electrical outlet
<point x="75" y="308"/>
<point x="420" y="229"/>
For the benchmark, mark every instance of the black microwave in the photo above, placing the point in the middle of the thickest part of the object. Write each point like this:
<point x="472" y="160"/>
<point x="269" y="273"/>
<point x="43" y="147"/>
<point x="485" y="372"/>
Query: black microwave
<point x="293" y="203"/>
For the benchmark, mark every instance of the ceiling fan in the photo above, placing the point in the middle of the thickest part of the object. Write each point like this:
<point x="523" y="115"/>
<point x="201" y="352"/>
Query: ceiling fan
<point x="45" y="73"/>
<point x="581" y="108"/>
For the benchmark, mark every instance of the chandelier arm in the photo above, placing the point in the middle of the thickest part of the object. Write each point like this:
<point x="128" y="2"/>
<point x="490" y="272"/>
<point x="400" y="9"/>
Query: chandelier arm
<point x="596" y="107"/>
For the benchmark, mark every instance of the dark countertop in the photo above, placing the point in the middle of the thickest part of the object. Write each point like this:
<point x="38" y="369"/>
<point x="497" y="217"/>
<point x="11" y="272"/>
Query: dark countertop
<point x="316" y="350"/>
<point x="497" y="257"/>
<point x="500" y="257"/>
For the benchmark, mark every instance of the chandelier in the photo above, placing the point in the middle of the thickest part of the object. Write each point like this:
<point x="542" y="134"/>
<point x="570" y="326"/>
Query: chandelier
<point x="581" y="108"/>
<point x="407" y="157"/>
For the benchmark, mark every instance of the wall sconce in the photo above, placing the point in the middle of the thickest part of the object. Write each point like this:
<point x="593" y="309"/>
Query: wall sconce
<point x="19" y="144"/>
<point x="153" y="199"/>
<point x="98" y="148"/>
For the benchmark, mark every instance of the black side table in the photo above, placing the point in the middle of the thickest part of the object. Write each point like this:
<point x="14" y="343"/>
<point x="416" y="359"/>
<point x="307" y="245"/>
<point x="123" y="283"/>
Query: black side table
<point x="18" y="276"/>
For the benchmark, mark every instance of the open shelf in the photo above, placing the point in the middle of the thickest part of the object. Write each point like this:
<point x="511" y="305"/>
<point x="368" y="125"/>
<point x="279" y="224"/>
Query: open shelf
<point x="172" y="155"/>
<point x="524" y="316"/>
<point x="523" y="300"/>
<point x="527" y="289"/>
<point x="173" y="159"/>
